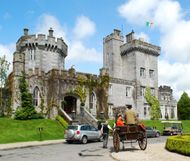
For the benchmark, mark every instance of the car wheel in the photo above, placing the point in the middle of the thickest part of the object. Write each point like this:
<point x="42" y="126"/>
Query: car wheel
<point x="84" y="139"/>
<point x="157" y="134"/>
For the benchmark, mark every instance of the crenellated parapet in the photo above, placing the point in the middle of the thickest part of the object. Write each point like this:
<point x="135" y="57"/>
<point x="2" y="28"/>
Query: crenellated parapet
<point x="141" y="46"/>
<point x="42" y="42"/>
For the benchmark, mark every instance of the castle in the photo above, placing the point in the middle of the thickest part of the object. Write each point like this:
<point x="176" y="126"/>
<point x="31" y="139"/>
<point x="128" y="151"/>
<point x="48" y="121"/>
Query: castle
<point x="131" y="65"/>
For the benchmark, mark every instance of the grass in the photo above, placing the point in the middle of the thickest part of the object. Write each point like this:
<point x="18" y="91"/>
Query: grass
<point x="28" y="130"/>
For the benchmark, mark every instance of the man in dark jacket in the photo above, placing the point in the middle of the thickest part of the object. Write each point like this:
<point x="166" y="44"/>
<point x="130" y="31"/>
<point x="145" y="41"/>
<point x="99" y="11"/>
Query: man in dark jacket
<point x="105" y="133"/>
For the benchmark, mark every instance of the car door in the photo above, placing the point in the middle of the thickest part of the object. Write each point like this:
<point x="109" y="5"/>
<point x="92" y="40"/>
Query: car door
<point x="149" y="132"/>
<point x="94" y="133"/>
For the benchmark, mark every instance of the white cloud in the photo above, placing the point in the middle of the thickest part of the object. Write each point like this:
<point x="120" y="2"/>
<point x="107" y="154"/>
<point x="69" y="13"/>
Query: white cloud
<point x="8" y="51"/>
<point x="46" y="21"/>
<point x="78" y="52"/>
<point x="168" y="18"/>
<point x="84" y="27"/>
<point x="7" y="16"/>
<point x="138" y="11"/>
<point x="176" y="75"/>
<point x="143" y="36"/>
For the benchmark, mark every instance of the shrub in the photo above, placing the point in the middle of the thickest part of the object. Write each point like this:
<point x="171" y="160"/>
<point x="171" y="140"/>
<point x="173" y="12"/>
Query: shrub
<point x="62" y="121"/>
<point x="179" y="144"/>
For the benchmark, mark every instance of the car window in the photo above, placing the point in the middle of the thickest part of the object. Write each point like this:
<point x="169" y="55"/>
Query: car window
<point x="72" y="127"/>
<point x="93" y="128"/>
<point x="148" y="128"/>
<point x="83" y="128"/>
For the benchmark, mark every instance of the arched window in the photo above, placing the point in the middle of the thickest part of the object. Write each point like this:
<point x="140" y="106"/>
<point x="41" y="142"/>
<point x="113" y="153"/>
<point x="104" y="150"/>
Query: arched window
<point x="36" y="96"/>
<point x="92" y="100"/>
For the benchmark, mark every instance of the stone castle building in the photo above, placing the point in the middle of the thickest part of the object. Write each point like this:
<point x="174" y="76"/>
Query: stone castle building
<point x="131" y="65"/>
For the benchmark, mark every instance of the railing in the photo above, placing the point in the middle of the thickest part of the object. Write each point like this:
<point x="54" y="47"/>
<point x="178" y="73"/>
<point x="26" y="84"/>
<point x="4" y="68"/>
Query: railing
<point x="65" y="115"/>
<point x="88" y="116"/>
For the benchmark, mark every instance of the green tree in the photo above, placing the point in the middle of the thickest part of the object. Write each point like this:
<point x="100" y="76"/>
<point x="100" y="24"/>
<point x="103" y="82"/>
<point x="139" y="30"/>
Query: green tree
<point x="4" y="67"/>
<point x="27" y="110"/>
<point x="183" y="107"/>
<point x="154" y="104"/>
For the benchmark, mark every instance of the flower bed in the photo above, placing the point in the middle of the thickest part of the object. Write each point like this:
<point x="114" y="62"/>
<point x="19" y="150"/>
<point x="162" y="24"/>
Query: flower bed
<point x="179" y="144"/>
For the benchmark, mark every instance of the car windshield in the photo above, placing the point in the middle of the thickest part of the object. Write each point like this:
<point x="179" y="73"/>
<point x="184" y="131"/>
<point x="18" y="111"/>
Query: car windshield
<point x="71" y="127"/>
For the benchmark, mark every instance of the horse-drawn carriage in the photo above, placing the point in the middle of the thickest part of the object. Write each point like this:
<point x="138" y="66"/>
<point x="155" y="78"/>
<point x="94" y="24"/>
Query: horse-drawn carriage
<point x="129" y="134"/>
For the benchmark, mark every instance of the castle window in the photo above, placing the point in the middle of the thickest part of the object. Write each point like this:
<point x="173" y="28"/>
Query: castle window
<point x="152" y="91"/>
<point x="92" y="101"/>
<point x="142" y="72"/>
<point x="110" y="89"/>
<point x="128" y="91"/>
<point x="142" y="91"/>
<point x="151" y="73"/>
<point x="36" y="96"/>
<point x="144" y="111"/>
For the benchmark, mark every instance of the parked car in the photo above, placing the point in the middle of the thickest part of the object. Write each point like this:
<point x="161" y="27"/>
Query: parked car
<point x="82" y="133"/>
<point x="172" y="127"/>
<point x="151" y="132"/>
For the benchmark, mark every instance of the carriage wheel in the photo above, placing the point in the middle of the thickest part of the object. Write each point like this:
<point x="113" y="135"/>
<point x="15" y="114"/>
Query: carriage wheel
<point x="116" y="141"/>
<point x="142" y="140"/>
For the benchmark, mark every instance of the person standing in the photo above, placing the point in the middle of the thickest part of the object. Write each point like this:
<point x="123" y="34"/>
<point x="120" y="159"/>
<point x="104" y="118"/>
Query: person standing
<point x="105" y="134"/>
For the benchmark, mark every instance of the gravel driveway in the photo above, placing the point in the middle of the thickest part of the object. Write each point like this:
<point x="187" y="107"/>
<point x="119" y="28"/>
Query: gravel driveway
<point x="154" y="152"/>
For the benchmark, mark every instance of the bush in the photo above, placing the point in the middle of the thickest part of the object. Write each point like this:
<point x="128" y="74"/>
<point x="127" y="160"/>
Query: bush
<point x="62" y="121"/>
<point x="179" y="144"/>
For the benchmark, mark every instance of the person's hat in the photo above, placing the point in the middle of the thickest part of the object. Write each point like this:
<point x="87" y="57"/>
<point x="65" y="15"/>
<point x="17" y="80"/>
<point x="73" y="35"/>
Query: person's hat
<point x="119" y="114"/>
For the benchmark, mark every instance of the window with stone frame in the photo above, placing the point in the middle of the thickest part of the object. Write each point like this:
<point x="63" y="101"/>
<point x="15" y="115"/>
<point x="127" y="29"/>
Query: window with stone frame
<point x="145" y="111"/>
<point x="92" y="100"/>
<point x="142" y="90"/>
<point x="152" y="91"/>
<point x="151" y="73"/>
<point x="36" y="96"/>
<point x="142" y="72"/>
<point x="128" y="91"/>
<point x="110" y="89"/>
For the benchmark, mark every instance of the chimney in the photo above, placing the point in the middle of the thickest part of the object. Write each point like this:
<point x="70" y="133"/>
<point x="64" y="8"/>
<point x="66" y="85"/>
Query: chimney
<point x="130" y="36"/>
<point x="117" y="32"/>
<point x="25" y="32"/>
<point x="51" y="32"/>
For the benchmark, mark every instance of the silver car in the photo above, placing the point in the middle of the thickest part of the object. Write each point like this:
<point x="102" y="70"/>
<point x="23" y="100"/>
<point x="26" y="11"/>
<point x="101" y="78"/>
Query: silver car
<point x="82" y="133"/>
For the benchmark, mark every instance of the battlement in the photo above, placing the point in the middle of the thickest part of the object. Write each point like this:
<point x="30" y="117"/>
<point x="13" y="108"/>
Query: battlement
<point x="165" y="89"/>
<point x="115" y="35"/>
<point x="133" y="44"/>
<point x="42" y="42"/>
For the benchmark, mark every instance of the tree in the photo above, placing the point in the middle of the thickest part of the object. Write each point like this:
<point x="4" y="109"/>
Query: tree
<point x="27" y="110"/>
<point x="183" y="107"/>
<point x="4" y="67"/>
<point x="154" y="104"/>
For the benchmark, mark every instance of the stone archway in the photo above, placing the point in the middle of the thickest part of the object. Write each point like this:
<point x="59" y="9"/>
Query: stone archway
<point x="70" y="104"/>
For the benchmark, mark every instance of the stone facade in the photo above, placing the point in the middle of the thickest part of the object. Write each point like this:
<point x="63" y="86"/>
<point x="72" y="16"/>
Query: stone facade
<point x="167" y="103"/>
<point x="42" y="59"/>
<point x="133" y="65"/>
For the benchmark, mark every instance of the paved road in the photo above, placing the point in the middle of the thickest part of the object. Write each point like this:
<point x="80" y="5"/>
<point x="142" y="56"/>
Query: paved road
<point x="66" y="152"/>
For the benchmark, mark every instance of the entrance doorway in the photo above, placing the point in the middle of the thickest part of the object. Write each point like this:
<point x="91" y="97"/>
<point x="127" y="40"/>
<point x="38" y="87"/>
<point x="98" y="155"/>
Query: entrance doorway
<point x="69" y="104"/>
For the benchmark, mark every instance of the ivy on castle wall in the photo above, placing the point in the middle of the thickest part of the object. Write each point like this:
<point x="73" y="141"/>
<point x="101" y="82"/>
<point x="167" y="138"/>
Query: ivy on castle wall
<point x="100" y="86"/>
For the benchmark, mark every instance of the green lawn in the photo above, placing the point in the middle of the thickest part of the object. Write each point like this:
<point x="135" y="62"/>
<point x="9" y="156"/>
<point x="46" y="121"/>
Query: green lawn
<point x="28" y="130"/>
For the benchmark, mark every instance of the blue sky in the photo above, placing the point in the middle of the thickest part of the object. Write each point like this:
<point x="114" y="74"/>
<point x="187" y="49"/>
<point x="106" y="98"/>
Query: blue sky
<point x="84" y="23"/>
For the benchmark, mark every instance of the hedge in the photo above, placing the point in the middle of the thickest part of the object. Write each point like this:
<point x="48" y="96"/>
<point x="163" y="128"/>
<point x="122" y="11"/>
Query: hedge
<point x="179" y="144"/>
<point x="62" y="121"/>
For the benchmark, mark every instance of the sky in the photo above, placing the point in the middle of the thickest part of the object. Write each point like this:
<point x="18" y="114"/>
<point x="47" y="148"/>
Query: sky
<point x="84" y="23"/>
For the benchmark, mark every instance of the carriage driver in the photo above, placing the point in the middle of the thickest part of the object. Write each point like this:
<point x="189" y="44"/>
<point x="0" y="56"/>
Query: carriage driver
<point x="131" y="116"/>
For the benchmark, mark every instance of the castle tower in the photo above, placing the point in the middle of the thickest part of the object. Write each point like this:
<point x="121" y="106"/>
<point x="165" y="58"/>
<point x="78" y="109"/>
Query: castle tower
<point x="134" y="66"/>
<point x="111" y="54"/>
<point x="40" y="52"/>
